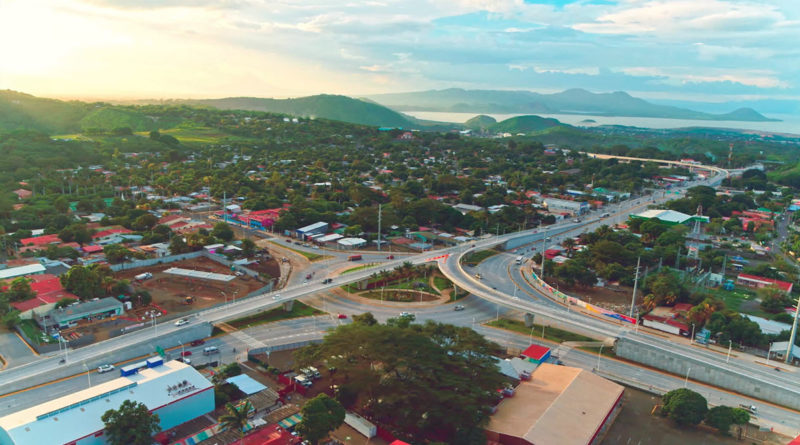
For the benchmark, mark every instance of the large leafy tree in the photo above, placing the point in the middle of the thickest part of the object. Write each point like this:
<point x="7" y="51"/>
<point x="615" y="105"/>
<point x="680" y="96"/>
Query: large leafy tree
<point x="321" y="415"/>
<point x="235" y="419"/>
<point x="722" y="417"/>
<point x="685" y="407"/>
<point x="130" y="424"/>
<point x="432" y="381"/>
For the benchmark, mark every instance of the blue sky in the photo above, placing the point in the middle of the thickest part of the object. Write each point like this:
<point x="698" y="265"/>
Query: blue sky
<point x="711" y="50"/>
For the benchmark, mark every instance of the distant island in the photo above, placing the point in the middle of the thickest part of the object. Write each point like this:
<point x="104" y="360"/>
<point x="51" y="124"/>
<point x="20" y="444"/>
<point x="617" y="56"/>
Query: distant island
<point x="573" y="101"/>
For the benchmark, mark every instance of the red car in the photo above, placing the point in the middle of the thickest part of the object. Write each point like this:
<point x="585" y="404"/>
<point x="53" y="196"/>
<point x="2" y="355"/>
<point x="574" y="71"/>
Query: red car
<point x="390" y="257"/>
<point x="341" y="316"/>
<point x="186" y="353"/>
<point x="198" y="342"/>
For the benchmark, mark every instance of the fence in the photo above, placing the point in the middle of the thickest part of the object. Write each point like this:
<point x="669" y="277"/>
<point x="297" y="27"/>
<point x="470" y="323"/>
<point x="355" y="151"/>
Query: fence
<point x="273" y="348"/>
<point x="153" y="261"/>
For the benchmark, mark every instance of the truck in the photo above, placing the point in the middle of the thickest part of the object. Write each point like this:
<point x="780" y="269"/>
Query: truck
<point x="752" y="409"/>
<point x="143" y="276"/>
<point x="354" y="258"/>
<point x="361" y="424"/>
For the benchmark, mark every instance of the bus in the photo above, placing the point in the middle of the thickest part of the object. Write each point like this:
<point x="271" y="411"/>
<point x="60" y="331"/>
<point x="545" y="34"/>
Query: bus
<point x="354" y="258"/>
<point x="520" y="259"/>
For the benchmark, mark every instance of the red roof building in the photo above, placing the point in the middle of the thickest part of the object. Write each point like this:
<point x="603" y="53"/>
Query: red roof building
<point x="536" y="353"/>
<point x="92" y="249"/>
<point x="23" y="194"/>
<point x="108" y="232"/>
<point x="41" y="240"/>
<point x="48" y="290"/>
<point x="759" y="282"/>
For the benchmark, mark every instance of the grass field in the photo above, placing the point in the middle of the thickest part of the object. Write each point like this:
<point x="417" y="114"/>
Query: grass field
<point x="442" y="283"/>
<point x="475" y="258"/>
<point x="33" y="332"/>
<point x="311" y="256"/>
<point x="357" y="268"/>
<point x="298" y="310"/>
<point x="550" y="333"/>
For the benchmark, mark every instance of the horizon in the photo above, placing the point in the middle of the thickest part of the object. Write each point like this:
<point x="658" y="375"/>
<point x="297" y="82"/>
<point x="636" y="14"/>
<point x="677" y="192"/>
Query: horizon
<point x="710" y="51"/>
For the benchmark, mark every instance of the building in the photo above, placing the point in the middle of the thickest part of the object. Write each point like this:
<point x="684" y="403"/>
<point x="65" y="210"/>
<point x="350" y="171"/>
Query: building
<point x="565" y="205"/>
<point x="559" y="405"/>
<point x="467" y="208"/>
<point x="760" y="282"/>
<point x="70" y="315"/>
<point x="173" y="390"/>
<point x="351" y="243"/>
<point x="313" y="229"/>
<point x="21" y="271"/>
<point x="670" y="217"/>
<point x="536" y="354"/>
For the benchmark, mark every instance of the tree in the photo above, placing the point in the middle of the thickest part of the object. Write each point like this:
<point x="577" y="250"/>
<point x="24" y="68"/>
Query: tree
<point x="722" y="417"/>
<point x="222" y="231"/>
<point x="64" y="302"/>
<point x="178" y="246"/>
<point x="131" y="424"/>
<point x="321" y="415"/>
<point x="248" y="247"/>
<point x="144" y="222"/>
<point x="366" y="318"/>
<point x="20" y="289"/>
<point x="116" y="253"/>
<point x="235" y="419"/>
<point x="773" y="299"/>
<point x="685" y="406"/>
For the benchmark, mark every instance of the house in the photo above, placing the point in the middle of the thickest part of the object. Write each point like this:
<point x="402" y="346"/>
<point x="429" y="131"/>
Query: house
<point x="536" y="354"/>
<point x="761" y="282"/>
<point x="41" y="241"/>
<point x="23" y="194"/>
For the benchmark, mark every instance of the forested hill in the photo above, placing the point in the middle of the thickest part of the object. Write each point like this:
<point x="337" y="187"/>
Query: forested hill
<point x="339" y="108"/>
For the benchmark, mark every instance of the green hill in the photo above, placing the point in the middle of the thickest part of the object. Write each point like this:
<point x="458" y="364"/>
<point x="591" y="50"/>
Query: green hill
<point x="109" y="118"/>
<point x="326" y="106"/>
<point x="20" y="111"/>
<point x="480" y="123"/>
<point x="525" y="124"/>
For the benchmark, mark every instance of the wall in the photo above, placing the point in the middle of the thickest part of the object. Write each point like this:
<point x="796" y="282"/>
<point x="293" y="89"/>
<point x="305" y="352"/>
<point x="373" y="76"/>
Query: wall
<point x="154" y="261"/>
<point x="187" y="409"/>
<point x="711" y="373"/>
<point x="283" y="347"/>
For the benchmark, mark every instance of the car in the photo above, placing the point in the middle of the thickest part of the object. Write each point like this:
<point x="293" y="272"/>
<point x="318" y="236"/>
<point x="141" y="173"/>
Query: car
<point x="276" y="297"/>
<point x="458" y="307"/>
<point x="182" y="322"/>
<point x="198" y="342"/>
<point x="404" y="314"/>
<point x="210" y="350"/>
<point x="105" y="368"/>
<point x="478" y="276"/>
<point x="186" y="360"/>
<point x="186" y="353"/>
<point x="342" y="316"/>
<point x="390" y="257"/>
<point x="306" y="245"/>
<point x="315" y="247"/>
<point x="308" y="276"/>
<point x="327" y="280"/>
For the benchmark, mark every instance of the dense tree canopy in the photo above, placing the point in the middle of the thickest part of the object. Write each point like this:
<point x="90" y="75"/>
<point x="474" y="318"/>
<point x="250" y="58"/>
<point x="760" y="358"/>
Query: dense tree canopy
<point x="130" y="424"/>
<point x="684" y="406"/>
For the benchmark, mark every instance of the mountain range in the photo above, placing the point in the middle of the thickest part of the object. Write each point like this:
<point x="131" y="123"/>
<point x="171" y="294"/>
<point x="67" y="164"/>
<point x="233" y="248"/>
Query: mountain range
<point x="573" y="101"/>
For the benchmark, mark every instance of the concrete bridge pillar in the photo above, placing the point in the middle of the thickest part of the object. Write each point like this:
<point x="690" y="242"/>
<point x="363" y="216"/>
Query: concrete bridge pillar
<point x="287" y="305"/>
<point x="529" y="320"/>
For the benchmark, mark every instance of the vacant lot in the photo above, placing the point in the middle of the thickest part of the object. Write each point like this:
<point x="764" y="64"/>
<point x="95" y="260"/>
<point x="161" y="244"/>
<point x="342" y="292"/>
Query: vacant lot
<point x="170" y="291"/>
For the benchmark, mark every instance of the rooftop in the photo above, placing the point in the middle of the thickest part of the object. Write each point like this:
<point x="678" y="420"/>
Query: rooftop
<point x="559" y="404"/>
<point x="13" y="272"/>
<point x="78" y="414"/>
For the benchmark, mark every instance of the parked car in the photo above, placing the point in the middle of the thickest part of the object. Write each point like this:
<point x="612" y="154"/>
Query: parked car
<point x="182" y="322"/>
<point x="105" y="368"/>
<point x="198" y="342"/>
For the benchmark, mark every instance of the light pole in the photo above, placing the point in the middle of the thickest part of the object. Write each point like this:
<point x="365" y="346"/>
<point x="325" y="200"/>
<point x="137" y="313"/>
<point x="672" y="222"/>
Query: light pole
<point x="599" y="353"/>
<point x="155" y="324"/>
<point x="730" y="346"/>
<point x="686" y="380"/>
<point x="543" y="332"/>
<point x="530" y="337"/>
<point x="691" y="339"/>
<point x="88" y="374"/>
<point x="66" y="348"/>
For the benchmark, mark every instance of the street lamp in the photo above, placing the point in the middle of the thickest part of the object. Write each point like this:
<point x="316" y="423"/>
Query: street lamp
<point x="599" y="353"/>
<point x="88" y="374"/>
<point x="530" y="336"/>
<point x="686" y="380"/>
<point x="730" y="346"/>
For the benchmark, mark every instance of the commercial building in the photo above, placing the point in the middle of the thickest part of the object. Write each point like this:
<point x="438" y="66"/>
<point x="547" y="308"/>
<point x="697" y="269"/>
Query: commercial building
<point x="313" y="229"/>
<point x="173" y="390"/>
<point x="565" y="205"/>
<point x="670" y="217"/>
<point x="559" y="405"/>
<point x="21" y="271"/>
<point x="70" y="315"/>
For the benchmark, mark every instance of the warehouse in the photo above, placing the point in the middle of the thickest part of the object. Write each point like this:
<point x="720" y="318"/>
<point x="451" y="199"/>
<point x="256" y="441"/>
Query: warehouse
<point x="565" y="205"/>
<point x="173" y="390"/>
<point x="70" y="315"/>
<point x="559" y="405"/>
<point x="313" y="229"/>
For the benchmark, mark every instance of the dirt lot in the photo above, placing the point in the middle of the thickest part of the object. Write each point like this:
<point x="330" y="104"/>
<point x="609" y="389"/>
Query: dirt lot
<point x="170" y="291"/>
<point x="635" y="425"/>
<point x="615" y="298"/>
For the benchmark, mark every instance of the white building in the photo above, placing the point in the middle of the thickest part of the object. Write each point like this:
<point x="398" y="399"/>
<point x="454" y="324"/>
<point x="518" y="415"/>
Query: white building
<point x="173" y="390"/>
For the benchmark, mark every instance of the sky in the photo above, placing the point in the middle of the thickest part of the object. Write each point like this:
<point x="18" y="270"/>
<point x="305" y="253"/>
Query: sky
<point x="707" y="50"/>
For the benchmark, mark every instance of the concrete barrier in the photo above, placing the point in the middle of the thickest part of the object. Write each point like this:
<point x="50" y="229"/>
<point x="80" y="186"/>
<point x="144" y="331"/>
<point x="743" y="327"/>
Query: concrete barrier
<point x="708" y="372"/>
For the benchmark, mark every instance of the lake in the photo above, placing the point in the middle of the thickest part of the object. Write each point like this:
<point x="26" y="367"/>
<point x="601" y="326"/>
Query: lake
<point x="789" y="124"/>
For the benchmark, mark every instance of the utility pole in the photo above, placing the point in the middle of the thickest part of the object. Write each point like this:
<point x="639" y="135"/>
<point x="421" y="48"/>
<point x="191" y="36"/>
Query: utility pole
<point x="635" y="285"/>
<point x="544" y="242"/>
<point x="379" y="227"/>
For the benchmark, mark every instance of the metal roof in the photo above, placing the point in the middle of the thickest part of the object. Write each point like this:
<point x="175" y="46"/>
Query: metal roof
<point x="27" y="269"/>
<point x="78" y="414"/>
<point x="199" y="274"/>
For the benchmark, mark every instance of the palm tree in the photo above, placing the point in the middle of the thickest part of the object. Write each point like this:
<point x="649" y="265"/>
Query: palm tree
<point x="236" y="419"/>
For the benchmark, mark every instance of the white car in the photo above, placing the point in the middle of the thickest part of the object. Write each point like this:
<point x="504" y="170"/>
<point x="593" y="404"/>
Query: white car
<point x="182" y="322"/>
<point x="105" y="368"/>
<point x="276" y="297"/>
